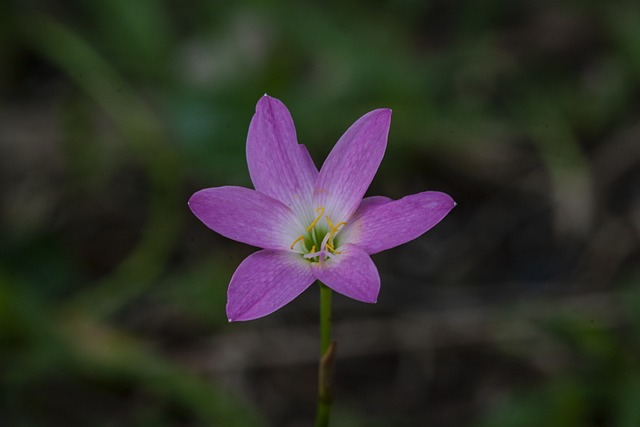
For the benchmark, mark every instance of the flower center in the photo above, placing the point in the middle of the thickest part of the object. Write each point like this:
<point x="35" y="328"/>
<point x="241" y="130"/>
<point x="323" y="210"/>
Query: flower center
<point x="320" y="240"/>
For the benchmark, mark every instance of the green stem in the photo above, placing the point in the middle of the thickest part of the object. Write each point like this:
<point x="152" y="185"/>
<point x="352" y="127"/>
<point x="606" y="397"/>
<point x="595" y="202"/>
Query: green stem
<point x="327" y="360"/>
<point x="325" y="318"/>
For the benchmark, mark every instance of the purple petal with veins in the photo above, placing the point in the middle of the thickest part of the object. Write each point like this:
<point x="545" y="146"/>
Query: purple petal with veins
<point x="312" y="225"/>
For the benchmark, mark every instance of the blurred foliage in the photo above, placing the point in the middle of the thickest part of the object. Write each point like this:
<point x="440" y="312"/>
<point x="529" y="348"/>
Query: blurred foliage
<point x="112" y="112"/>
<point x="600" y="377"/>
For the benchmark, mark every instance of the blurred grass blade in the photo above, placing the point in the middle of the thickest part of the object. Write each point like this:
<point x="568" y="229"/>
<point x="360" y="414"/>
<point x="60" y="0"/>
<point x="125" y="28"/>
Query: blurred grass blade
<point x="145" y="136"/>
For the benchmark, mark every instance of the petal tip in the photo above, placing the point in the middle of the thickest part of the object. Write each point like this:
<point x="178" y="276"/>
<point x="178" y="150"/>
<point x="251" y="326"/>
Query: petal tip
<point x="383" y="112"/>
<point x="382" y="116"/>
<point x="445" y="199"/>
<point x="234" y="315"/>
<point x="386" y="112"/>
<point x="192" y="203"/>
<point x="264" y="102"/>
<point x="453" y="202"/>
<point x="192" y="199"/>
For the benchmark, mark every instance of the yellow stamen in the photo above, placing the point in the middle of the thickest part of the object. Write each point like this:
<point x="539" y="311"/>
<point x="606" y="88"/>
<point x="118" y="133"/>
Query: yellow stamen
<point x="315" y="221"/>
<point x="334" y="230"/>
<point x="329" y="222"/>
<point x="313" y="249"/>
<point x="296" y="241"/>
<point x="333" y="249"/>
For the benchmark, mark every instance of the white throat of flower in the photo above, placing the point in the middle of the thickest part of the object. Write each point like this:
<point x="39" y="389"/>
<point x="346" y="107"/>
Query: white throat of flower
<point x="319" y="242"/>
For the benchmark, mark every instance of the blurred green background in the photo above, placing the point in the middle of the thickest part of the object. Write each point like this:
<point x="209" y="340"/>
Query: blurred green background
<point x="522" y="308"/>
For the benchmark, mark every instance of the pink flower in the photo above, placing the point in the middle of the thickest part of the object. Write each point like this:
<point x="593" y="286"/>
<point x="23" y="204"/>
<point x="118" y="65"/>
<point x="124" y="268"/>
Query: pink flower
<point x="311" y="225"/>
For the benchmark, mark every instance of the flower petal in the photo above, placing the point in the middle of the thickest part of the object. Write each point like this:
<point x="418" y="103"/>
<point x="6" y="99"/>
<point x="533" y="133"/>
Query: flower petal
<point x="265" y="281"/>
<point x="379" y="226"/>
<point x="278" y="165"/>
<point x="247" y="216"/>
<point x="368" y="203"/>
<point x="351" y="165"/>
<point x="352" y="273"/>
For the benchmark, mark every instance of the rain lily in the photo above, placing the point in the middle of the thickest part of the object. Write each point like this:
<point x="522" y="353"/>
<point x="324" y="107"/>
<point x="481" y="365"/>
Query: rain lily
<point x="311" y="225"/>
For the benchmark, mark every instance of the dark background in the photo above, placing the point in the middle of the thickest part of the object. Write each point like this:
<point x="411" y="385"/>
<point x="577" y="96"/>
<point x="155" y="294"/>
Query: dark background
<point x="522" y="308"/>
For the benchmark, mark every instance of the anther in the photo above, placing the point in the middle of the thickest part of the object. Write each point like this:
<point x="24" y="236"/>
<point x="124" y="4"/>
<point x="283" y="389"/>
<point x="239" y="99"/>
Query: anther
<point x="330" y="246"/>
<point x="329" y="222"/>
<point x="334" y="230"/>
<point x="315" y="221"/>
<point x="296" y="241"/>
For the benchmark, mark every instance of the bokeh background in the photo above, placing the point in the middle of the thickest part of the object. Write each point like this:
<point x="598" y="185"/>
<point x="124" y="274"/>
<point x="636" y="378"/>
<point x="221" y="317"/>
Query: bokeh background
<point x="522" y="308"/>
